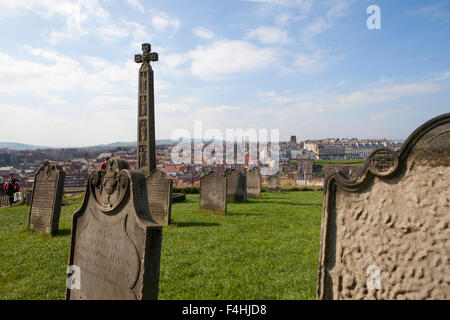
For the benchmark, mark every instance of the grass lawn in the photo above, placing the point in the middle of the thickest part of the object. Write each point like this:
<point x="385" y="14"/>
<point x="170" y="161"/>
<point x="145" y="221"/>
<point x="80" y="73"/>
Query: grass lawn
<point x="264" y="249"/>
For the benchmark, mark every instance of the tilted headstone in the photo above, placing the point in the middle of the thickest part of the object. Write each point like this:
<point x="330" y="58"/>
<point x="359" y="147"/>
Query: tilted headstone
<point x="236" y="186"/>
<point x="386" y="234"/>
<point x="213" y="193"/>
<point x="274" y="183"/>
<point x="116" y="245"/>
<point x="46" y="198"/>
<point x="159" y="188"/>
<point x="253" y="183"/>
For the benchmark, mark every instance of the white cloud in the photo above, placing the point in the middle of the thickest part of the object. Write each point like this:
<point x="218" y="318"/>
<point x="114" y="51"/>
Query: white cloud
<point x="111" y="32"/>
<point x="315" y="61"/>
<point x="379" y="115"/>
<point x="161" y="21"/>
<point x="227" y="57"/>
<point x="316" y="27"/>
<point x="135" y="4"/>
<point x="337" y="9"/>
<point x="171" y="107"/>
<point x="57" y="74"/>
<point x="203" y="33"/>
<point x="278" y="2"/>
<point x="219" y="109"/>
<point x="75" y="13"/>
<point x="437" y="11"/>
<point x="269" y="35"/>
<point x="274" y="97"/>
<point x="107" y="103"/>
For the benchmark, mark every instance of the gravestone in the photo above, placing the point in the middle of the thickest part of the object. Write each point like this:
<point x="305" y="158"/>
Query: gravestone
<point x="115" y="242"/>
<point x="159" y="188"/>
<point x="236" y="186"/>
<point x="253" y="183"/>
<point x="274" y="183"/>
<point x="213" y="193"/>
<point x="46" y="198"/>
<point x="386" y="234"/>
<point x="29" y="194"/>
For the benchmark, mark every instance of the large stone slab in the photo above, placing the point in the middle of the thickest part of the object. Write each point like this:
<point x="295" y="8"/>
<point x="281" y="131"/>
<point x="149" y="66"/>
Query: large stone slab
<point x="46" y="198"/>
<point x="159" y="188"/>
<point x="115" y="242"/>
<point x="236" y="186"/>
<point x="213" y="193"/>
<point x="253" y="183"/>
<point x="274" y="183"/>
<point x="386" y="234"/>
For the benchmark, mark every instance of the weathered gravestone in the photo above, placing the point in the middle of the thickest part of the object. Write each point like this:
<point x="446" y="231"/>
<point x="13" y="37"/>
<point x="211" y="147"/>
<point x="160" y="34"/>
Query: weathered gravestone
<point x="115" y="242"/>
<point x="213" y="193"/>
<point x="46" y="198"/>
<point x="159" y="188"/>
<point x="386" y="234"/>
<point x="236" y="186"/>
<point x="253" y="183"/>
<point x="29" y="194"/>
<point x="274" y="183"/>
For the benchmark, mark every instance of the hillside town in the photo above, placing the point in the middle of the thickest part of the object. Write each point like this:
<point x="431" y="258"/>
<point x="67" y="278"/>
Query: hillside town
<point x="296" y="160"/>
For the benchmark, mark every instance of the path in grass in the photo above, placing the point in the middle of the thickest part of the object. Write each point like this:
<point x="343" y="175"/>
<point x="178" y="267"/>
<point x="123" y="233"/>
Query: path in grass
<point x="264" y="249"/>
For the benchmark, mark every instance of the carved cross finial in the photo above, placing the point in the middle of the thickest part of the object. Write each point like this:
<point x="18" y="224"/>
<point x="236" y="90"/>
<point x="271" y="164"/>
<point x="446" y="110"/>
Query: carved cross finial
<point x="146" y="55"/>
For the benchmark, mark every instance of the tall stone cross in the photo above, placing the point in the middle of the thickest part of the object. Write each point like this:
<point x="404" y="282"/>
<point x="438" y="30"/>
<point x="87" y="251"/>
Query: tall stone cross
<point x="146" y="147"/>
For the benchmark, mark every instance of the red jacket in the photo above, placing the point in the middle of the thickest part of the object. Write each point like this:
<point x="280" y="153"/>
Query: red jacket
<point x="11" y="187"/>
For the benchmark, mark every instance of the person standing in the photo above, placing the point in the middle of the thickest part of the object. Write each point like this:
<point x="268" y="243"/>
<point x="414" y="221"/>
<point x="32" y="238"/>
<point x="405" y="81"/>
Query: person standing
<point x="11" y="187"/>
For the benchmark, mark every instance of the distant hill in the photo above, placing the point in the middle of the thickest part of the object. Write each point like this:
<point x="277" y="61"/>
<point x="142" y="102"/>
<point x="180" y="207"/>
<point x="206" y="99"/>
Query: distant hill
<point x="131" y="144"/>
<point x="20" y="146"/>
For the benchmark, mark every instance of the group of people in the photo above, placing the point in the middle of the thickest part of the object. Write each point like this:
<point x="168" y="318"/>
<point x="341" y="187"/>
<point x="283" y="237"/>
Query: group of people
<point x="11" y="187"/>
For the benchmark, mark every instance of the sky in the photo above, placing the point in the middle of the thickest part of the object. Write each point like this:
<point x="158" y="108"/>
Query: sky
<point x="309" y="68"/>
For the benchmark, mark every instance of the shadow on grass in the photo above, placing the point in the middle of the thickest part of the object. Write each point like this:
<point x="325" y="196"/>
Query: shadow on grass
<point x="292" y="203"/>
<point x="187" y="200"/>
<point x="63" y="232"/>
<point x="196" y="224"/>
<point x="244" y="214"/>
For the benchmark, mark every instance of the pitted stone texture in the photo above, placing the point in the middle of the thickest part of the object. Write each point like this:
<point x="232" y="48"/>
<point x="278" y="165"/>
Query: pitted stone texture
<point x="159" y="188"/>
<point x="399" y="224"/>
<point x="115" y="242"/>
<point x="253" y="183"/>
<point x="213" y="193"/>
<point x="236" y="186"/>
<point x="46" y="198"/>
<point x="274" y="183"/>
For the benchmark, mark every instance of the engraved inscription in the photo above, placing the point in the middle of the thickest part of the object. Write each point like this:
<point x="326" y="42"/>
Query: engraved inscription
<point x="47" y="196"/>
<point x="159" y="198"/>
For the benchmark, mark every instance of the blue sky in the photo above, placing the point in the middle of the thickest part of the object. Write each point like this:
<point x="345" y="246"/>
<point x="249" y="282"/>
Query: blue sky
<point x="306" y="67"/>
